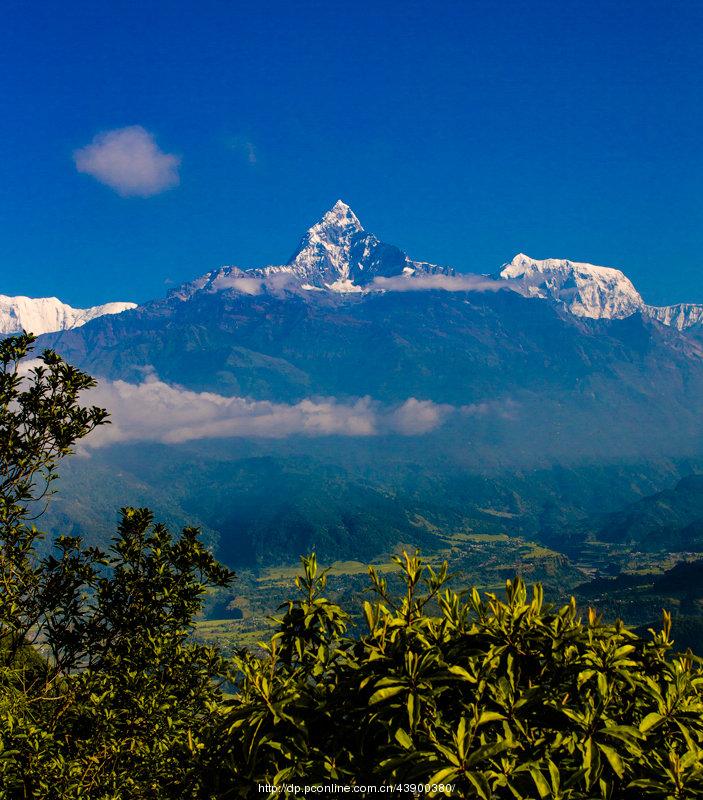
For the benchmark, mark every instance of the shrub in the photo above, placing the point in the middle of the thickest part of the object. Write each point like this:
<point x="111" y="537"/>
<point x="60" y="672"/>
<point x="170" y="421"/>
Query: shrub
<point x="499" y="698"/>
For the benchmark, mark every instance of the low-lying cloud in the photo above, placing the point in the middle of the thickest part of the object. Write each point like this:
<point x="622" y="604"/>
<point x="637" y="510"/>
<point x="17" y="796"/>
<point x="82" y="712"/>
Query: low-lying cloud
<point x="276" y="283"/>
<point x="279" y="282"/>
<point x="447" y="283"/>
<point x="419" y="416"/>
<point x="129" y="161"/>
<point x="243" y="285"/>
<point x="160" y="412"/>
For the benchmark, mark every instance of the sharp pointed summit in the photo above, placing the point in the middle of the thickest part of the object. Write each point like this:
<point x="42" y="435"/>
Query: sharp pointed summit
<point x="337" y="254"/>
<point x="323" y="256"/>
<point x="340" y="216"/>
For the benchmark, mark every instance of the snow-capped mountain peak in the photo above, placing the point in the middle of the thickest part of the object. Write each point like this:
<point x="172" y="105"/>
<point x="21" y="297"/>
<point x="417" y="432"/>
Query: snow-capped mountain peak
<point x="338" y="255"/>
<point x="339" y="216"/>
<point x="324" y="255"/>
<point x="586" y="290"/>
<point x="48" y="314"/>
<point x="335" y="255"/>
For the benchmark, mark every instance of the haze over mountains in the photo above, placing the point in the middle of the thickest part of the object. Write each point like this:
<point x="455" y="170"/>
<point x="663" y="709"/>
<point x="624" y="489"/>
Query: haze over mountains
<point x="354" y="391"/>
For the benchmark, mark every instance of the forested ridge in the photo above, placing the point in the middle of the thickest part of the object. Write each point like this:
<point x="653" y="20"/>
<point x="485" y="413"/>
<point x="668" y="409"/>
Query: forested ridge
<point x="104" y="694"/>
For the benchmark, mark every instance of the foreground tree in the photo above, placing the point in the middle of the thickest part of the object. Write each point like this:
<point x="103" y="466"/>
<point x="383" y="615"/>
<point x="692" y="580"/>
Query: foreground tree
<point x="40" y="421"/>
<point x="102" y="694"/>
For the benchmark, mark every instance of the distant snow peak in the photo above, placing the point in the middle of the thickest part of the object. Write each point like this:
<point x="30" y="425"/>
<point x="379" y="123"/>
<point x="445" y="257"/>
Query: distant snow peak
<point x="48" y="314"/>
<point x="337" y="256"/>
<point x="586" y="290"/>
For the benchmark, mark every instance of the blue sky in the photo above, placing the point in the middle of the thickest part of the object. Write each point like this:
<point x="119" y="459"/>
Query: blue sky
<point x="463" y="132"/>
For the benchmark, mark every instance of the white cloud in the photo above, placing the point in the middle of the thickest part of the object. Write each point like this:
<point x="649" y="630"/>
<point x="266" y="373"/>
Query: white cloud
<point x="239" y="283"/>
<point x="250" y="283"/>
<point x="419" y="416"/>
<point x="448" y="283"/>
<point x="277" y="282"/>
<point x="156" y="411"/>
<point x="129" y="161"/>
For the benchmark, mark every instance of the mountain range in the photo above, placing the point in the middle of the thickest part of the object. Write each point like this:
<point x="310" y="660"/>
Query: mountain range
<point x="337" y="255"/>
<point x="353" y="397"/>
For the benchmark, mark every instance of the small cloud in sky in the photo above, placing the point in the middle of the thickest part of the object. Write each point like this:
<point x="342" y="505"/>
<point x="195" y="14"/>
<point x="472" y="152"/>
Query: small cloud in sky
<point x="245" y="147"/>
<point x="129" y="161"/>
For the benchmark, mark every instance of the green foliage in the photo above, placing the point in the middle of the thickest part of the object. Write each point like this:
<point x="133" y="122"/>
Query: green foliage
<point x="124" y="703"/>
<point x="500" y="698"/>
<point x="102" y="692"/>
<point x="40" y="421"/>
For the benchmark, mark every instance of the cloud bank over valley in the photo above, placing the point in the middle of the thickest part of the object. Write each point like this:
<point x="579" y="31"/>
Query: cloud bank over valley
<point x="156" y="411"/>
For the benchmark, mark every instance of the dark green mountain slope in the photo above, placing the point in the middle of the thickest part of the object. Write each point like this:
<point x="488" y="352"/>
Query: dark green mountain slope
<point x="672" y="519"/>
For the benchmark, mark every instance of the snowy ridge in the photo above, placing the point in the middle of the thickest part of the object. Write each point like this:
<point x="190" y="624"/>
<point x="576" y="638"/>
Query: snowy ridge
<point x="587" y="290"/>
<point x="336" y="256"/>
<point x="48" y="314"/>
<point x="680" y="315"/>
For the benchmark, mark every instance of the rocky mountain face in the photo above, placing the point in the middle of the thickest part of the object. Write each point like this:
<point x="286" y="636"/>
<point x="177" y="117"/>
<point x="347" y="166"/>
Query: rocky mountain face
<point x="337" y="254"/>
<point x="680" y="316"/>
<point x="48" y="314"/>
<point x="584" y="289"/>
<point x="338" y="257"/>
